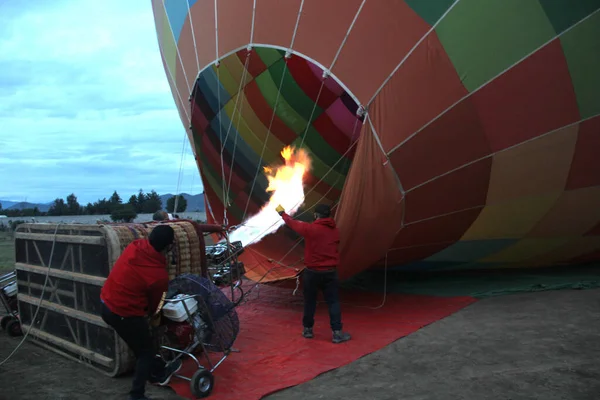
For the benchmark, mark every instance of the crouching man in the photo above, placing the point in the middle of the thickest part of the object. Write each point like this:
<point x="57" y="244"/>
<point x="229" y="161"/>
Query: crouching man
<point x="130" y="297"/>
<point x="321" y="257"/>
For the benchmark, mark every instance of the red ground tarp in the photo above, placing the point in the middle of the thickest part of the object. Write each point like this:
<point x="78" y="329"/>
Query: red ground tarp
<point x="273" y="354"/>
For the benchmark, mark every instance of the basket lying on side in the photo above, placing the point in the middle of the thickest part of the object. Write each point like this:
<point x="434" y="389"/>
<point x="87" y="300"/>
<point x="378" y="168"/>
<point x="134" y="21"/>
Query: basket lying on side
<point x="69" y="321"/>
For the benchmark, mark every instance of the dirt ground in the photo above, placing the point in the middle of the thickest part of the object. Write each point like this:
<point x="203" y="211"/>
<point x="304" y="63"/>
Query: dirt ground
<point x="538" y="345"/>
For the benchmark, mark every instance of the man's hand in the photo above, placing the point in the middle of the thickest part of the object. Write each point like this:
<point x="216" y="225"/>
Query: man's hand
<point x="280" y="210"/>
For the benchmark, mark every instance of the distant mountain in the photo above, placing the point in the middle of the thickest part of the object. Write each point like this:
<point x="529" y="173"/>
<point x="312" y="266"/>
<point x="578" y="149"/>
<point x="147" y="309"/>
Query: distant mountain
<point x="12" y="205"/>
<point x="194" y="203"/>
<point x="7" y="204"/>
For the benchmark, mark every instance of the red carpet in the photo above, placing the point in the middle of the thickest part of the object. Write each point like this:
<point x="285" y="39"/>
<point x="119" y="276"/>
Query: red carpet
<point x="273" y="354"/>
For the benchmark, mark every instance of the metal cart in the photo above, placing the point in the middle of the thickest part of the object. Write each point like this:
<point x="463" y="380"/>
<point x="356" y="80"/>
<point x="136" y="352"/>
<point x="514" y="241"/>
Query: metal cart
<point x="8" y="298"/>
<point x="201" y="322"/>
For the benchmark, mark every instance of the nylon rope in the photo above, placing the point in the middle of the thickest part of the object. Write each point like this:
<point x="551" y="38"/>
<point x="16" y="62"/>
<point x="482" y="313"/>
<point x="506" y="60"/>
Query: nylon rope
<point x="501" y="151"/>
<point x="192" y="108"/>
<point x="219" y="114"/>
<point x="312" y="113"/>
<point x="310" y="191"/>
<point x="239" y="95"/>
<point x="253" y="18"/>
<point x="262" y="153"/>
<point x="188" y="115"/>
<point x="410" y="52"/>
<point x="193" y="37"/>
<point x="39" y="305"/>
<point x="176" y="48"/>
<point x="337" y="54"/>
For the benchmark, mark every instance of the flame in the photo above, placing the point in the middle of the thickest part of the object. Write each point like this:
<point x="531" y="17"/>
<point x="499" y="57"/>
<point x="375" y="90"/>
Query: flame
<point x="287" y="187"/>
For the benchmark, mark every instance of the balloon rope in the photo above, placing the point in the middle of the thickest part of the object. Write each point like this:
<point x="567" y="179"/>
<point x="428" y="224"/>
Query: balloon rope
<point x="262" y="153"/>
<point x="385" y="82"/>
<point x="253" y="18"/>
<point x="337" y="54"/>
<point x="193" y="37"/>
<point x="346" y="161"/>
<point x="472" y="92"/>
<point x="312" y="113"/>
<point x="239" y="95"/>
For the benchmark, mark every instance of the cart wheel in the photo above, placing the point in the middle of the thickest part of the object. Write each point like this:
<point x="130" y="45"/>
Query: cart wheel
<point x="202" y="383"/>
<point x="5" y="320"/>
<point x="14" y="328"/>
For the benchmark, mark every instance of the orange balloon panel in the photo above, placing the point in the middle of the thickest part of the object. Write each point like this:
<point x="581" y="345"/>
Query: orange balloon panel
<point x="446" y="134"/>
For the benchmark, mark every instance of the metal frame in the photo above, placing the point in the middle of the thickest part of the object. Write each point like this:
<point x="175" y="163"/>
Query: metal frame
<point x="197" y="343"/>
<point x="5" y="281"/>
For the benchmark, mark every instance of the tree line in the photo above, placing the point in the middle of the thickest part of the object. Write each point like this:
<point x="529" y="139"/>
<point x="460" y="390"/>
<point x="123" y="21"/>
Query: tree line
<point x="141" y="203"/>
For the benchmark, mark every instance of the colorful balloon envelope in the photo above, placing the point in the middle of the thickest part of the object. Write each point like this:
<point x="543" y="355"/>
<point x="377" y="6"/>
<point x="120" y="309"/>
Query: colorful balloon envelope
<point x="446" y="134"/>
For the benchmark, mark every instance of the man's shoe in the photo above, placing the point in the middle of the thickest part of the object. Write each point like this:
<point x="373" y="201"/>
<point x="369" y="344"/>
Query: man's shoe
<point x="170" y="370"/>
<point x="339" y="337"/>
<point x="308" y="333"/>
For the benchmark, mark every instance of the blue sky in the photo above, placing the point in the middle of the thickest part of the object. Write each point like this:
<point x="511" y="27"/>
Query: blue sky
<point x="85" y="104"/>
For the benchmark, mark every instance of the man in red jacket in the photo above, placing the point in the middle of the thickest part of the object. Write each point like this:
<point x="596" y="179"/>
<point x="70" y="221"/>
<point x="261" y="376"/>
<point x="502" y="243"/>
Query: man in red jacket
<point x="321" y="257"/>
<point x="131" y="295"/>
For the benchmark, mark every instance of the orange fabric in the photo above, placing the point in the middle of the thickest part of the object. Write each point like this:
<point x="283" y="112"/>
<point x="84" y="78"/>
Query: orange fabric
<point x="234" y="24"/>
<point x="284" y="260"/>
<point x="390" y="27"/>
<point x="322" y="28"/>
<point x="203" y="17"/>
<point x="425" y="86"/>
<point x="275" y="21"/>
<point x="369" y="213"/>
<point x="585" y="169"/>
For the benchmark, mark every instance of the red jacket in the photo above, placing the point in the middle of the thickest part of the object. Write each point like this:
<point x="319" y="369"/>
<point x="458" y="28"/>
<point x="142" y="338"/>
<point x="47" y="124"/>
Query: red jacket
<point x="321" y="238"/>
<point x="137" y="281"/>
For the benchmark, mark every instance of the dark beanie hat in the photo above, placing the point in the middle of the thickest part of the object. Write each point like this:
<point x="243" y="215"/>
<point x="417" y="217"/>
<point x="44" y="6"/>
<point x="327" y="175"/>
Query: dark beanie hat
<point x="161" y="237"/>
<point x="323" y="210"/>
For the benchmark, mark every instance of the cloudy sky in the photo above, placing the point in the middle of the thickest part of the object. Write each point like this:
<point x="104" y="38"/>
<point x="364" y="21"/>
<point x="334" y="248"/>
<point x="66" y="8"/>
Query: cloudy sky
<point x="85" y="105"/>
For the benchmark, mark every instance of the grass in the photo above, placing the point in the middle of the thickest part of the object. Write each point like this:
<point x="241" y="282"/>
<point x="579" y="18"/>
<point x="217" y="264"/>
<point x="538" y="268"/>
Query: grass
<point x="7" y="253"/>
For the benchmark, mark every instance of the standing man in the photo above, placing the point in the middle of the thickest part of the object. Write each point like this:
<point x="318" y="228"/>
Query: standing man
<point x="321" y="257"/>
<point x="131" y="296"/>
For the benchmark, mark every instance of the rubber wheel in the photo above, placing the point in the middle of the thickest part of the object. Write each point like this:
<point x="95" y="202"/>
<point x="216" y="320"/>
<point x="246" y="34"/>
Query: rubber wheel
<point x="202" y="383"/>
<point x="14" y="328"/>
<point x="5" y="320"/>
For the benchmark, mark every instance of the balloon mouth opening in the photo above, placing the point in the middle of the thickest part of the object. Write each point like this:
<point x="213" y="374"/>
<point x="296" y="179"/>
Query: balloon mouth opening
<point x="254" y="104"/>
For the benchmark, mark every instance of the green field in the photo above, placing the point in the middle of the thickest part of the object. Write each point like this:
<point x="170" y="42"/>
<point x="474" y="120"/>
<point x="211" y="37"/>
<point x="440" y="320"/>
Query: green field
<point x="7" y="253"/>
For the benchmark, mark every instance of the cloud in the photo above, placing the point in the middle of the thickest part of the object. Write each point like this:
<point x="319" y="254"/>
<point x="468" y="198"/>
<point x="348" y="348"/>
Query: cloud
<point x="85" y="104"/>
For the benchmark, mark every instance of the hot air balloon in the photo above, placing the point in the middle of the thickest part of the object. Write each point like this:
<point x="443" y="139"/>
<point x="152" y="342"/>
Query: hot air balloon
<point x="447" y="134"/>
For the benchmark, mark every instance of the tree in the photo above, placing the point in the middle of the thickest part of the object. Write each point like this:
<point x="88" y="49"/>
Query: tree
<point x="141" y="200"/>
<point x="133" y="202"/>
<point x="152" y="203"/>
<point x="123" y="213"/>
<point x="73" y="206"/>
<point x="103" y="207"/>
<point x="115" y="199"/>
<point x="181" y="204"/>
<point x="90" y="209"/>
<point x="58" y="207"/>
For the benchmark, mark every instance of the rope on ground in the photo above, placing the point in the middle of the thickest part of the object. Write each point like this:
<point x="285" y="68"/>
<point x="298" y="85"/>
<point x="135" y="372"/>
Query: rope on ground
<point x="41" y="298"/>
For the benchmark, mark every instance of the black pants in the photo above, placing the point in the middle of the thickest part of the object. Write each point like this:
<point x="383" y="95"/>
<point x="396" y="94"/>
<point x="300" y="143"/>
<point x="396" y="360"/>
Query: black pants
<point x="135" y="331"/>
<point x="313" y="282"/>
